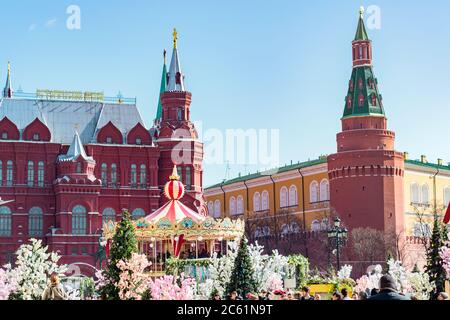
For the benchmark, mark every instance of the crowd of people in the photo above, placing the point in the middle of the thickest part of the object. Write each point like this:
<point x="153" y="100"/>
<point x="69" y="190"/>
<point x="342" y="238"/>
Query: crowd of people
<point x="388" y="291"/>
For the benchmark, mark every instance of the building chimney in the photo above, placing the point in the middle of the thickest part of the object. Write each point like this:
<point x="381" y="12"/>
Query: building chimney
<point x="423" y="159"/>
<point x="440" y="162"/>
<point x="405" y="155"/>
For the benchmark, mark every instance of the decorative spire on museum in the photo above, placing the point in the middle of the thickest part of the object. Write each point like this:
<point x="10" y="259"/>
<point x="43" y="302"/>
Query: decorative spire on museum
<point x="363" y="97"/>
<point x="162" y="89"/>
<point x="175" y="76"/>
<point x="8" y="90"/>
<point x="76" y="150"/>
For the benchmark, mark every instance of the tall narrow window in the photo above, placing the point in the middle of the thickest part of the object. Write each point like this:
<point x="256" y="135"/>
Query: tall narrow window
<point x="41" y="174"/>
<point x="5" y="222"/>
<point x="35" y="222"/>
<point x="9" y="173"/>
<point x="79" y="168"/>
<point x="324" y="191"/>
<point x="180" y="173"/>
<point x="30" y="173"/>
<point x="314" y="192"/>
<point x="257" y="202"/>
<point x="283" y="197"/>
<point x="133" y="176"/>
<point x="143" y="177"/>
<point x="232" y="206"/>
<point x="188" y="178"/>
<point x="1" y="172"/>
<point x="79" y="215"/>
<point x="217" y="209"/>
<point x="179" y="114"/>
<point x="415" y="193"/>
<point x="104" y="174"/>
<point x="240" y="205"/>
<point x="114" y="175"/>
<point x="265" y="200"/>
<point x="425" y="195"/>
<point x="293" y="198"/>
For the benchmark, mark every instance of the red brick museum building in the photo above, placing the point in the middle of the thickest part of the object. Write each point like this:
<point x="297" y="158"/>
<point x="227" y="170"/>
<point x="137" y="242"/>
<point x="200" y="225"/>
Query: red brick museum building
<point x="70" y="162"/>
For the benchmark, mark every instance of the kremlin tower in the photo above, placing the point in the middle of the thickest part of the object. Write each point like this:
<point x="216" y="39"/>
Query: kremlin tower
<point x="176" y="135"/>
<point x="366" y="173"/>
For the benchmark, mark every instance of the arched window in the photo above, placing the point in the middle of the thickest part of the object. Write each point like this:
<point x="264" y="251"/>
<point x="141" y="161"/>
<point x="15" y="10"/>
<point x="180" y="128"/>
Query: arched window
<point x="108" y="215"/>
<point x="240" y="205"/>
<point x="315" y="226"/>
<point x="41" y="174"/>
<point x="143" y="177"/>
<point x="295" y="228"/>
<point x="137" y="214"/>
<point x="5" y="221"/>
<point x="425" y="195"/>
<point x="79" y="217"/>
<point x="35" y="222"/>
<point x="283" y="197"/>
<point x="415" y="193"/>
<point x="217" y="209"/>
<point x="1" y="173"/>
<point x="265" y="200"/>
<point x="104" y="175"/>
<point x="113" y="175"/>
<point x="188" y="178"/>
<point x="293" y="198"/>
<point x="9" y="173"/>
<point x="324" y="190"/>
<point x="211" y="208"/>
<point x="446" y="196"/>
<point x="79" y="167"/>
<point x="30" y="179"/>
<point x="133" y="180"/>
<point x="314" y="192"/>
<point x="257" y="202"/>
<point x="232" y="206"/>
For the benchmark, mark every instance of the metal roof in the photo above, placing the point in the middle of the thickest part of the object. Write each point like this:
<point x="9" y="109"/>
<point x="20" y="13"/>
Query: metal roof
<point x="63" y="118"/>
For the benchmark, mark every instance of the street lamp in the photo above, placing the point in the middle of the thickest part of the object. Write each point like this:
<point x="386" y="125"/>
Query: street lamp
<point x="337" y="237"/>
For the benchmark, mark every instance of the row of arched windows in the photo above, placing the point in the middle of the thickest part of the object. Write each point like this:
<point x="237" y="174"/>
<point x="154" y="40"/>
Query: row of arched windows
<point x="319" y="192"/>
<point x="35" y="173"/>
<point x="261" y="201"/>
<point x="79" y="220"/>
<point x="215" y="208"/>
<point x="288" y="198"/>
<point x="236" y="205"/>
<point x="138" y="178"/>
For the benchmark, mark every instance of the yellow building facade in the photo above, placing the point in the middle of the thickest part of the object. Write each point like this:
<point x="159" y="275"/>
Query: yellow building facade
<point x="302" y="191"/>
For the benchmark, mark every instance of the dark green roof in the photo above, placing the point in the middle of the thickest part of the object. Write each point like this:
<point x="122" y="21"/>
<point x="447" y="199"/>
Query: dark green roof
<point x="363" y="84"/>
<point x="161" y="90"/>
<point x="428" y="164"/>
<point x="286" y="168"/>
<point x="361" y="33"/>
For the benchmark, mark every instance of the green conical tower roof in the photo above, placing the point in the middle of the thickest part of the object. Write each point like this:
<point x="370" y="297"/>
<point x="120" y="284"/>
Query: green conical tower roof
<point x="162" y="89"/>
<point x="361" y="33"/>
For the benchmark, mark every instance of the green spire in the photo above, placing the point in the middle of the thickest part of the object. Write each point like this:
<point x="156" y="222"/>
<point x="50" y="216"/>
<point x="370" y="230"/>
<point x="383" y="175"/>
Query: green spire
<point x="361" y="33"/>
<point x="163" y="88"/>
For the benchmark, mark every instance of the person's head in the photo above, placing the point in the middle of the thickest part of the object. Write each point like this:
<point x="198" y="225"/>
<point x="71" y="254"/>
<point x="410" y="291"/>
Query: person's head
<point x="233" y="295"/>
<point x="388" y="283"/>
<point x="217" y="297"/>
<point x="344" y="292"/>
<point x="336" y="296"/>
<point x="442" y="296"/>
<point x="374" y="292"/>
<point x="263" y="293"/>
<point x="317" y="297"/>
<point x="305" y="291"/>
<point x="54" y="278"/>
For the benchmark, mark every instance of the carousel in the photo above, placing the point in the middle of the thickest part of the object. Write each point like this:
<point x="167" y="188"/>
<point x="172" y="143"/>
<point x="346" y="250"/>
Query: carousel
<point x="175" y="231"/>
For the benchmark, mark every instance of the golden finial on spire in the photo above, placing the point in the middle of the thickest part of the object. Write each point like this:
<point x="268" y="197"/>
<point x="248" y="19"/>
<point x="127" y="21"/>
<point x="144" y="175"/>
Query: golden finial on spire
<point x="174" y="176"/>
<point x="9" y="68"/>
<point x="361" y="12"/>
<point x="175" y="38"/>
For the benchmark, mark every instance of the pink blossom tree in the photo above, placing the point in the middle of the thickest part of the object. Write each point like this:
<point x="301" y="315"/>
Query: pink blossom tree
<point x="133" y="281"/>
<point x="168" y="288"/>
<point x="8" y="282"/>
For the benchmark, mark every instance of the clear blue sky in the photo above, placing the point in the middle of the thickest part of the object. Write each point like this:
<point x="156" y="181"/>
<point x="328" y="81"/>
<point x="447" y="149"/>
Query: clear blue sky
<point x="249" y="64"/>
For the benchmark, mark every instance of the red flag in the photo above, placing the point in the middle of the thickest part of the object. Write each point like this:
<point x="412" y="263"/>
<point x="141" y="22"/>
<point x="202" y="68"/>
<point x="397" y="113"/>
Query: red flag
<point x="447" y="215"/>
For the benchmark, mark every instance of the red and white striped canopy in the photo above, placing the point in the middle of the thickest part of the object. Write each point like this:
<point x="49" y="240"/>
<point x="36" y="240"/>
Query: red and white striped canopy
<point x="174" y="211"/>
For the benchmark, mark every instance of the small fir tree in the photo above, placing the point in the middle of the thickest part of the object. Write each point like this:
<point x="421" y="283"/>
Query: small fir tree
<point x="435" y="265"/>
<point x="242" y="278"/>
<point x="123" y="245"/>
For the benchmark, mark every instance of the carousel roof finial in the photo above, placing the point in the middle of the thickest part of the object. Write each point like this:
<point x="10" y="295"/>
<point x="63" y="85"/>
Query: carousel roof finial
<point x="174" y="176"/>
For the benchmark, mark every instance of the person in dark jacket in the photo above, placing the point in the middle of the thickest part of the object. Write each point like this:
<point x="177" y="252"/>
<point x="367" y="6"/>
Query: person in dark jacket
<point x="388" y="290"/>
